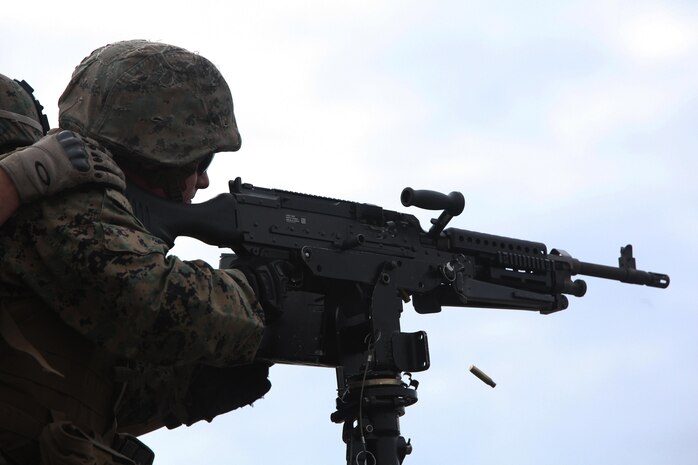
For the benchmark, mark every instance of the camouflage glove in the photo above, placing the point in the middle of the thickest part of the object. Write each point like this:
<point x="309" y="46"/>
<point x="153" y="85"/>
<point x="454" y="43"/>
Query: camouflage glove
<point x="269" y="279"/>
<point x="61" y="160"/>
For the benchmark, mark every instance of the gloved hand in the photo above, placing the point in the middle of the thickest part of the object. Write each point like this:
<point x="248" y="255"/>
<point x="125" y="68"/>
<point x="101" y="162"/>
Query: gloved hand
<point x="60" y="160"/>
<point x="214" y="391"/>
<point x="269" y="278"/>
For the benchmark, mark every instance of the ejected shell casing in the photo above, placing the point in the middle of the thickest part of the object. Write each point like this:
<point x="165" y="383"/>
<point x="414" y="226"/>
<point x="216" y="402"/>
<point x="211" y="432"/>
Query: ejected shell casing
<point x="483" y="377"/>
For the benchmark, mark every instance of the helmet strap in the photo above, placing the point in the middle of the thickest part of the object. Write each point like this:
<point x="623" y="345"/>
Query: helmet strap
<point x="172" y="181"/>
<point x="43" y="119"/>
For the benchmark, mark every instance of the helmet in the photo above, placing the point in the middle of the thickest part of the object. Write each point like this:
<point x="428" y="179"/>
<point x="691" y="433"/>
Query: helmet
<point x="152" y="103"/>
<point x="21" y="119"/>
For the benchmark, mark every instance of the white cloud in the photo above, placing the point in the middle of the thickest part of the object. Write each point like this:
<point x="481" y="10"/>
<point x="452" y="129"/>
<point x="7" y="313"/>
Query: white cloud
<point x="659" y="33"/>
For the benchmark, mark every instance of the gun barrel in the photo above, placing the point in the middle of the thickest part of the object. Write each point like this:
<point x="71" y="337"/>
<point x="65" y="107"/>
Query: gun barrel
<point x="624" y="274"/>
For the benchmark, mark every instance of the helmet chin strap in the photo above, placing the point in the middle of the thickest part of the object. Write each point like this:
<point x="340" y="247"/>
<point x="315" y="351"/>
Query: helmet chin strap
<point x="174" y="191"/>
<point x="172" y="180"/>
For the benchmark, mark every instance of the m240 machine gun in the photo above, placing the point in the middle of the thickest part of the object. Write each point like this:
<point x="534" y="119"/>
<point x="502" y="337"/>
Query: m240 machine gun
<point x="355" y="265"/>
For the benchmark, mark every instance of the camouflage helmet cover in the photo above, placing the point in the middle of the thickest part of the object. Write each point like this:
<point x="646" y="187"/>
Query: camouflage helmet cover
<point x="20" y="122"/>
<point x="154" y="102"/>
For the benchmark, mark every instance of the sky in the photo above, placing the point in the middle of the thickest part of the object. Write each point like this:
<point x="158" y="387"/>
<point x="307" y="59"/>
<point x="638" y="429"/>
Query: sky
<point x="570" y="123"/>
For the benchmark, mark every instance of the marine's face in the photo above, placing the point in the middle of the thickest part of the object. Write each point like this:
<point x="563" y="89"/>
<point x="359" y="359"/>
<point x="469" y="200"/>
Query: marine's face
<point x="192" y="184"/>
<point x="197" y="180"/>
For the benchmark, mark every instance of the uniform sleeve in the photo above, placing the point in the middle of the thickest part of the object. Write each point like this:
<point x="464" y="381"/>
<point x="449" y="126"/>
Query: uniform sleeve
<point x="114" y="283"/>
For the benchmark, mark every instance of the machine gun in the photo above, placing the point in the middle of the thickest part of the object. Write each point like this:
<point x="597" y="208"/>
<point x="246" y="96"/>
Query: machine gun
<point x="354" y="266"/>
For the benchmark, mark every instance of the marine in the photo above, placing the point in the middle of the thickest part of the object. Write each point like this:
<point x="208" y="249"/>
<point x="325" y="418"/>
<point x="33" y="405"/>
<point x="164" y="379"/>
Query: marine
<point x="96" y="299"/>
<point x="48" y="164"/>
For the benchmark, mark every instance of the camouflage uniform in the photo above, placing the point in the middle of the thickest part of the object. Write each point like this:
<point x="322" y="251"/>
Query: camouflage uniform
<point x="85" y="290"/>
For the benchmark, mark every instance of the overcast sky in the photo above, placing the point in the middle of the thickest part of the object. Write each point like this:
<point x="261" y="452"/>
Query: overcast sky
<point x="571" y="123"/>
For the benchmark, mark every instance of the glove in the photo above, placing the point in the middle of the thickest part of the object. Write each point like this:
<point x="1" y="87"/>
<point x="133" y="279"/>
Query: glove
<point x="214" y="391"/>
<point x="269" y="279"/>
<point x="61" y="160"/>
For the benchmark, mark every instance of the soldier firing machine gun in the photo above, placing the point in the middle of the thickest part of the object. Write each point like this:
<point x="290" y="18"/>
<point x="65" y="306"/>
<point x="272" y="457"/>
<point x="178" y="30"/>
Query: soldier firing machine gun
<point x="356" y="264"/>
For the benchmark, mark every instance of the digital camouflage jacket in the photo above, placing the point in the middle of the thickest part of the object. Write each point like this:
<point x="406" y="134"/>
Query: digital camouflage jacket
<point x="86" y="286"/>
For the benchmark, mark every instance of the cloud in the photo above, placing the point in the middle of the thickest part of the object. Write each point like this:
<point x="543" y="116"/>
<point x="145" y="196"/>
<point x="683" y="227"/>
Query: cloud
<point x="659" y="33"/>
